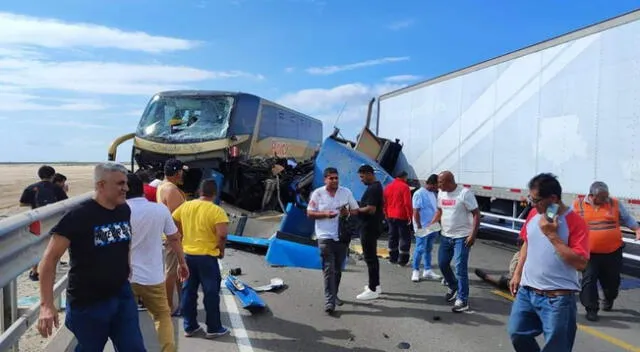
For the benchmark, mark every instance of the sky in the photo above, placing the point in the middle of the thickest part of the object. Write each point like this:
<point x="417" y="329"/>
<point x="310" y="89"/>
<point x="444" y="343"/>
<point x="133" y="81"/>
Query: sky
<point x="76" y="74"/>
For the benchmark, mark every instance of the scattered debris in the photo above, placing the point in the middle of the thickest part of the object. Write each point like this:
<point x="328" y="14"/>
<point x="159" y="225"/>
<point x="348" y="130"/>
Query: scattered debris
<point x="248" y="297"/>
<point x="235" y="271"/>
<point x="436" y="317"/>
<point x="404" y="345"/>
<point x="275" y="285"/>
<point x="385" y="335"/>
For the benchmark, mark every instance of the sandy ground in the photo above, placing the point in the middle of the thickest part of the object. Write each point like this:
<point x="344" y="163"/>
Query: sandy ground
<point x="13" y="179"/>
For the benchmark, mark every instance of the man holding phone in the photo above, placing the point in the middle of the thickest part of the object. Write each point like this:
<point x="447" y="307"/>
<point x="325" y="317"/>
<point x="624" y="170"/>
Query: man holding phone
<point x="547" y="277"/>
<point x="325" y="204"/>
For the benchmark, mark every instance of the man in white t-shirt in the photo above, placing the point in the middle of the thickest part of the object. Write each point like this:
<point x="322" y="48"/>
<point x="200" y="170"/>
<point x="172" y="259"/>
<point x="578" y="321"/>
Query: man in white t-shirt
<point x="459" y="217"/>
<point x="149" y="220"/>
<point x="325" y="205"/>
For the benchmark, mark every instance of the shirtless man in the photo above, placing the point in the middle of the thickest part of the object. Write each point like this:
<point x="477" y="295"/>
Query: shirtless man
<point x="171" y="195"/>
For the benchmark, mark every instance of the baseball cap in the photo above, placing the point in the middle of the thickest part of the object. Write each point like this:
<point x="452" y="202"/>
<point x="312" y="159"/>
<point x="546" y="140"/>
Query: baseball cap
<point x="172" y="166"/>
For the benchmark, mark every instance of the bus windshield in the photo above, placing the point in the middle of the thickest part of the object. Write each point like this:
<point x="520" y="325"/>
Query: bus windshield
<point x="186" y="119"/>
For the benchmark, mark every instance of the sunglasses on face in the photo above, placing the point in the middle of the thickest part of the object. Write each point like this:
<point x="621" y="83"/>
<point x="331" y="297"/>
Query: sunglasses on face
<point x="533" y="200"/>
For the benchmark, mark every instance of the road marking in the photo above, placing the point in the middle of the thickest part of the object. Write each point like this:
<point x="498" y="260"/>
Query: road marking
<point x="381" y="251"/>
<point x="239" y="331"/>
<point x="587" y="329"/>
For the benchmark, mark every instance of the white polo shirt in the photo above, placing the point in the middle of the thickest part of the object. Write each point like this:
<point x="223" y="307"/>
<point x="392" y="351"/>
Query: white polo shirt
<point x="149" y="221"/>
<point x="321" y="200"/>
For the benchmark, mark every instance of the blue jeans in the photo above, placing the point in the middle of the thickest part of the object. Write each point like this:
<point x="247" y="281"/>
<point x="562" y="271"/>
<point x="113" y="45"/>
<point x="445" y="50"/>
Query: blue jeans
<point x="115" y="318"/>
<point x="203" y="269"/>
<point x="533" y="314"/>
<point x="424" y="246"/>
<point x="455" y="249"/>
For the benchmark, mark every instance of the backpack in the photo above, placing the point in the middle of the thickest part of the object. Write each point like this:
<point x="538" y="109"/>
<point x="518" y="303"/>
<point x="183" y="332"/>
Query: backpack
<point x="43" y="194"/>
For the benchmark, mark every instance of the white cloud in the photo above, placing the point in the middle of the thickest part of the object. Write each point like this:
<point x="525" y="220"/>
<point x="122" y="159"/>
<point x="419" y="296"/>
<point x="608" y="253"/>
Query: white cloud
<point x="327" y="70"/>
<point x="327" y="104"/>
<point x="16" y="101"/>
<point x="289" y="69"/>
<point x="396" y="26"/>
<point x="105" y="77"/>
<point x="51" y="33"/>
<point x="62" y="123"/>
<point x="402" y="78"/>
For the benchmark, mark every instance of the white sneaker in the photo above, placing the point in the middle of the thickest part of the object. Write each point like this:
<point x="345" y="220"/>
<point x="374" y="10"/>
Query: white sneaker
<point x="378" y="289"/>
<point x="415" y="276"/>
<point x="367" y="295"/>
<point x="444" y="282"/>
<point x="430" y="275"/>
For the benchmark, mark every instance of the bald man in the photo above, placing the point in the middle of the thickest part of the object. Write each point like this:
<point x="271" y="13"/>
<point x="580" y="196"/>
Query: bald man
<point x="459" y="216"/>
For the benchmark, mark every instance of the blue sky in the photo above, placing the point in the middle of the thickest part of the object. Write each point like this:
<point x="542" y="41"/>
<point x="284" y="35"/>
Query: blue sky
<point x="76" y="74"/>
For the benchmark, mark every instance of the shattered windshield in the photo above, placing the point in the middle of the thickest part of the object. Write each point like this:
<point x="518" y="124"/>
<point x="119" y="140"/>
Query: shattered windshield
<point x="186" y="119"/>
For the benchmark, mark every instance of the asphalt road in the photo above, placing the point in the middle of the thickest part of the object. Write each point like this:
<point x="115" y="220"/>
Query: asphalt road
<point x="407" y="312"/>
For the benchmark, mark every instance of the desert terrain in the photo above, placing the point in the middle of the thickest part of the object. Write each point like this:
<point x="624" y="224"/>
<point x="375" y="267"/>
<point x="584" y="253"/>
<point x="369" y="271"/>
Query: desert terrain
<point x="13" y="179"/>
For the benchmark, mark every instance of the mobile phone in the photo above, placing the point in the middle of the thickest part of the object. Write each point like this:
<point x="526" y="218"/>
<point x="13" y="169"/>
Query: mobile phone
<point x="552" y="211"/>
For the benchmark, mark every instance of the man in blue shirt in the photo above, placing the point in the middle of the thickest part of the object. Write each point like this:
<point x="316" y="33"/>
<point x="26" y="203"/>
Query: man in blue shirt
<point x="424" y="208"/>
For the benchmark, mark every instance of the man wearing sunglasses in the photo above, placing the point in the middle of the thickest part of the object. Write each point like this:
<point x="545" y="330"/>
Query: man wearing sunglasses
<point x="604" y="215"/>
<point x="325" y="204"/>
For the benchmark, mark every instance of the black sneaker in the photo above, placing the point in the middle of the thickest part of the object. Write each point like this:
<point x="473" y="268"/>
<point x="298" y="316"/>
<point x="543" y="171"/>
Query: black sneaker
<point x="451" y="295"/>
<point x="607" y="306"/>
<point x="339" y="302"/>
<point x="329" y="309"/>
<point x="34" y="276"/>
<point x="460" y="306"/>
<point x="592" y="316"/>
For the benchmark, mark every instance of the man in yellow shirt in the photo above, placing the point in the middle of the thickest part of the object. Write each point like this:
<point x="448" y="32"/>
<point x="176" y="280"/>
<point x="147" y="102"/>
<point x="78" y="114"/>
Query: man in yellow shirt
<point x="169" y="194"/>
<point x="204" y="228"/>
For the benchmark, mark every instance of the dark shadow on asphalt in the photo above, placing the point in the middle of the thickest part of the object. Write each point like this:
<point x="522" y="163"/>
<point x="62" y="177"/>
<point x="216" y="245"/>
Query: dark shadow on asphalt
<point x="295" y="336"/>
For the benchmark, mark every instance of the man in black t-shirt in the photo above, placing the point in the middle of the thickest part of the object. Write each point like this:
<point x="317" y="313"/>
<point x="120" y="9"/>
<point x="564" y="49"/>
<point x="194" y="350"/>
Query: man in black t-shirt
<point x="371" y="216"/>
<point x="38" y="195"/>
<point x="100" y="302"/>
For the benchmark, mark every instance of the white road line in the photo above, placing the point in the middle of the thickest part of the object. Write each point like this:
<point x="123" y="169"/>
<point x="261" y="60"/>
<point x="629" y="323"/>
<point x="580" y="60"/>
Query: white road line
<point x="238" y="329"/>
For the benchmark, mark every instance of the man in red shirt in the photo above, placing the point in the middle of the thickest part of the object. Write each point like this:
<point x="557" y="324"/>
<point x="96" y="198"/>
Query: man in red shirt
<point x="398" y="211"/>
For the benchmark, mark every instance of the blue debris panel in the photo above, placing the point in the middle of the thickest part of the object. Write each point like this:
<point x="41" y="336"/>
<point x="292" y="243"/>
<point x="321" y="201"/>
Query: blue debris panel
<point x="347" y="161"/>
<point x="249" y="241"/>
<point x="292" y="245"/>
<point x="247" y="296"/>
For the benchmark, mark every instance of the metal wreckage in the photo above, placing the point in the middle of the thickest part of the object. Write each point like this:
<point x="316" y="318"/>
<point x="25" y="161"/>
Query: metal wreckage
<point x="265" y="157"/>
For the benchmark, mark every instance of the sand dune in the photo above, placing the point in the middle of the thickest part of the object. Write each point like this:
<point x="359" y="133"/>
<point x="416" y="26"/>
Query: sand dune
<point x="15" y="177"/>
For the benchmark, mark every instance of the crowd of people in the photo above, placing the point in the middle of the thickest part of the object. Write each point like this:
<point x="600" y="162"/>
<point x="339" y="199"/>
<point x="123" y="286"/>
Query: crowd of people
<point x="135" y="240"/>
<point x="139" y="238"/>
<point x="564" y="251"/>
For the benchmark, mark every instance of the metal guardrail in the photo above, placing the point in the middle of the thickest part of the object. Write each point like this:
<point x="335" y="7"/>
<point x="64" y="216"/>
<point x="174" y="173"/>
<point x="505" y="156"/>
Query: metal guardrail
<point x="516" y="231"/>
<point x="20" y="249"/>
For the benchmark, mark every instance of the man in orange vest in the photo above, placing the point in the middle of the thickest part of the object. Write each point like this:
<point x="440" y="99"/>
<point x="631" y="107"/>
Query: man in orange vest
<point x="604" y="216"/>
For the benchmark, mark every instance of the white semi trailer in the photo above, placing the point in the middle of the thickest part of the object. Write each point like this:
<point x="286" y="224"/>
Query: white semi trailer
<point x="569" y="105"/>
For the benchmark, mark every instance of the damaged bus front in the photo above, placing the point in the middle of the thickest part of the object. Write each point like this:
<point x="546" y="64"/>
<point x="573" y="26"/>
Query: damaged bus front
<point x="240" y="138"/>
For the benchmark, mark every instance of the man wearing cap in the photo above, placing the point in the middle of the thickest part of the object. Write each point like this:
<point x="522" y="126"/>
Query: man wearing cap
<point x="171" y="195"/>
<point x="604" y="216"/>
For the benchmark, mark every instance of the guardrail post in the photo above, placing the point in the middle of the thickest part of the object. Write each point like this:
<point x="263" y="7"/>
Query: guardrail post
<point x="9" y="305"/>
